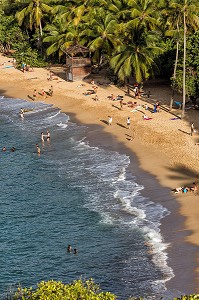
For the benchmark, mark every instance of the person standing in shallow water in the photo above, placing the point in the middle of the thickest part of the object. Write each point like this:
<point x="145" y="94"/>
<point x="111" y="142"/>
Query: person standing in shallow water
<point x="22" y="113"/>
<point x="42" y="136"/>
<point x="48" y="135"/>
<point x="69" y="248"/>
<point x="38" y="149"/>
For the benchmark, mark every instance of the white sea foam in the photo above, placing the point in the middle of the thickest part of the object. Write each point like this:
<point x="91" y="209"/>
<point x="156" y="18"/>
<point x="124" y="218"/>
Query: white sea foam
<point x="145" y="214"/>
<point x="157" y="249"/>
<point x="62" y="125"/>
<point x="54" y="115"/>
<point x="106" y="219"/>
<point x="122" y="175"/>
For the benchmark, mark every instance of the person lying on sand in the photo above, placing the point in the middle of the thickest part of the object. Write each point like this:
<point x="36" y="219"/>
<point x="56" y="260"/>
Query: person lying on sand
<point x="89" y="92"/>
<point x="145" y="117"/>
<point x="194" y="187"/>
<point x="185" y="189"/>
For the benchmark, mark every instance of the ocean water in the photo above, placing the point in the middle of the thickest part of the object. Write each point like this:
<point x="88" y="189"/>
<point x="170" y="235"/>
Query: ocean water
<point x="73" y="194"/>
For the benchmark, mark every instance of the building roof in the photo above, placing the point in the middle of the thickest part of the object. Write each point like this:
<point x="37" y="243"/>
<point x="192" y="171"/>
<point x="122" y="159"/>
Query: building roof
<point x="76" y="49"/>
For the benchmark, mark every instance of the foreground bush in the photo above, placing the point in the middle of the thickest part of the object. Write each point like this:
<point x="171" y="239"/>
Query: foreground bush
<point x="77" y="290"/>
<point x="56" y="290"/>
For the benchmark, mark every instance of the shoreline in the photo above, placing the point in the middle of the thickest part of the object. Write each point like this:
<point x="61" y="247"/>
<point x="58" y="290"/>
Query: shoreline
<point x="174" y="222"/>
<point x="163" y="168"/>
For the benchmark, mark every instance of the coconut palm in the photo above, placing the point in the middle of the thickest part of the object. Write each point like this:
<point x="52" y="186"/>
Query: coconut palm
<point x="181" y="18"/>
<point x="121" y="8"/>
<point x="144" y="13"/>
<point x="100" y="32"/>
<point x="190" y="18"/>
<point x="32" y="13"/>
<point x="136" y="57"/>
<point x="75" y="9"/>
<point x="60" y="36"/>
<point x="173" y="22"/>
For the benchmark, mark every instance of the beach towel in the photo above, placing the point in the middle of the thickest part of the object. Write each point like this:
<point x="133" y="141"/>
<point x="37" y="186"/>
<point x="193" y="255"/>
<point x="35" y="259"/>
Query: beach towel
<point x="7" y="67"/>
<point x="175" y="119"/>
<point x="147" y="119"/>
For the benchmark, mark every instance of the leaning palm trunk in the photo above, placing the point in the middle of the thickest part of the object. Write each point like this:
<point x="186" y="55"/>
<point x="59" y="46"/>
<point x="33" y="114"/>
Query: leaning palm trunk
<point x="184" y="68"/>
<point x="174" y="72"/>
<point x="40" y="29"/>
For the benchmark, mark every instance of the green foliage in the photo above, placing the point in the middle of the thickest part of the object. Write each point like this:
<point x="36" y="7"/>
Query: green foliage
<point x="77" y="290"/>
<point x="190" y="297"/>
<point x="192" y="67"/>
<point x="29" y="56"/>
<point x="12" y="37"/>
<point x="165" y="61"/>
<point x="56" y="290"/>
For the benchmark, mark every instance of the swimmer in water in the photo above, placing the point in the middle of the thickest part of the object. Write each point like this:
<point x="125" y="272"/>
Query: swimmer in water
<point x="38" y="149"/>
<point x="13" y="149"/>
<point x="22" y="113"/>
<point x="69" y="248"/>
<point x="4" y="149"/>
<point x="48" y="135"/>
<point x="42" y="136"/>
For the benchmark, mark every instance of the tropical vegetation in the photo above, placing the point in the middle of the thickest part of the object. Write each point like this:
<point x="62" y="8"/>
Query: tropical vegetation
<point x="78" y="289"/>
<point x="130" y="38"/>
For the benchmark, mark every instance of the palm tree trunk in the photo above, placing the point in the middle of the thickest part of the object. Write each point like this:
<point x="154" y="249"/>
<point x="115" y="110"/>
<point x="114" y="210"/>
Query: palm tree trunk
<point x="174" y="72"/>
<point x="184" y="65"/>
<point x="128" y="87"/>
<point x="40" y="29"/>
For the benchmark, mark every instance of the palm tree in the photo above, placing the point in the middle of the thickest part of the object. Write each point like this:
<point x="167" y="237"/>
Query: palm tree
<point x="100" y="32"/>
<point x="144" y="13"/>
<point x="121" y="9"/>
<point x="136" y="57"/>
<point x="173" y="21"/>
<point x="60" y="36"/>
<point x="32" y="13"/>
<point x="190" y="18"/>
<point x="181" y="15"/>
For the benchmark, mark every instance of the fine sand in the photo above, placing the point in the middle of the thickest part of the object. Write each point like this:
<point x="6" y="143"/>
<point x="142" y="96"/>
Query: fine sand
<point x="162" y="145"/>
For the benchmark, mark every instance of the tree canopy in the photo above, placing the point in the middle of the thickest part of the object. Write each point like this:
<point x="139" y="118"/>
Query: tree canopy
<point x="130" y="37"/>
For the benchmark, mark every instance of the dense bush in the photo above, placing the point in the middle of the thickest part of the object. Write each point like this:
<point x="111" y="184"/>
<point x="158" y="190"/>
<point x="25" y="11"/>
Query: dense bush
<point x="56" y="290"/>
<point x="12" y="37"/>
<point x="192" y="67"/>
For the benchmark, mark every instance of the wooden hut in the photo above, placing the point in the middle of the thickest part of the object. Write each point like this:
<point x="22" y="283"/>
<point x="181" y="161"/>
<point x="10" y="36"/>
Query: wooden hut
<point x="78" y="63"/>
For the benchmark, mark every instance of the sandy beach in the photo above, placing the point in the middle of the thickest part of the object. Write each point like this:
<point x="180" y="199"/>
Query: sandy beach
<point x="162" y="145"/>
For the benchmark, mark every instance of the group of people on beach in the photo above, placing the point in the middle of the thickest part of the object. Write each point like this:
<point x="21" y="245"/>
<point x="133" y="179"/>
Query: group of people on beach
<point x="25" y="67"/>
<point x="186" y="189"/>
<point x="43" y="93"/>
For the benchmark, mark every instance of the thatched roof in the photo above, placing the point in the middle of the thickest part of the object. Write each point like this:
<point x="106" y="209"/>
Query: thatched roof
<point x="76" y="49"/>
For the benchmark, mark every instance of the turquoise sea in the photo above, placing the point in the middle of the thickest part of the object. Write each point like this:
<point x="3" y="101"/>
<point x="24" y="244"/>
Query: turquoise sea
<point x="76" y="194"/>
